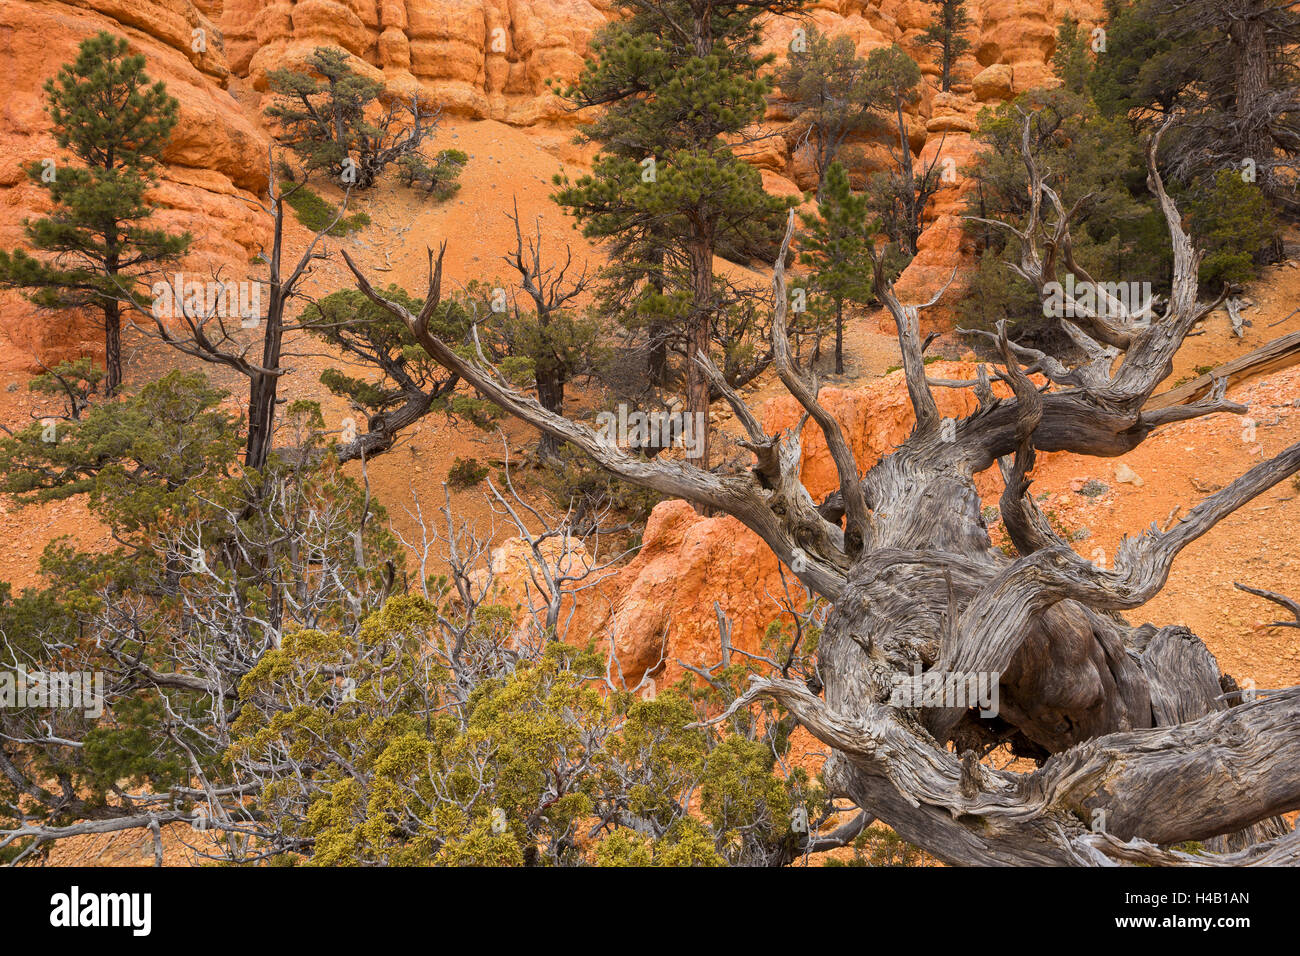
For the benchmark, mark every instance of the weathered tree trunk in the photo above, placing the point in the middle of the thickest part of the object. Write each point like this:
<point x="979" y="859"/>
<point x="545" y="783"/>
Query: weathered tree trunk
<point x="699" y="335"/>
<point x="547" y="286"/>
<point x="1139" y="741"/>
<point x="261" y="420"/>
<point x="1250" y="48"/>
<point x="264" y="381"/>
<point x="550" y="393"/>
<point x="383" y="429"/>
<point x="839" y="336"/>
<point x="1278" y="353"/>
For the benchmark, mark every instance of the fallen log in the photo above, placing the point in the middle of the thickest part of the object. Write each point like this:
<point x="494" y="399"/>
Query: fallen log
<point x="1269" y="357"/>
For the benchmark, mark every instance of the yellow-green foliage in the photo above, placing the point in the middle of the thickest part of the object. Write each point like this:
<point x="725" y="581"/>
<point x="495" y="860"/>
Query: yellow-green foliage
<point x="413" y="747"/>
<point x="688" y="843"/>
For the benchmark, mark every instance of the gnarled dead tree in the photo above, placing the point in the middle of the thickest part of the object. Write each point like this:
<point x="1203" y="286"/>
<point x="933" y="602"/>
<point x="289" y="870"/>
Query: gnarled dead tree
<point x="1141" y="743"/>
<point x="200" y="329"/>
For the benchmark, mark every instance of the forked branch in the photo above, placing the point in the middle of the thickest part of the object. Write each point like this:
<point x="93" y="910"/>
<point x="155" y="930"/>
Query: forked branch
<point x="799" y="536"/>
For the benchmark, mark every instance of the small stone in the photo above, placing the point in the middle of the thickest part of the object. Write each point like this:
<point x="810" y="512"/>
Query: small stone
<point x="1127" y="476"/>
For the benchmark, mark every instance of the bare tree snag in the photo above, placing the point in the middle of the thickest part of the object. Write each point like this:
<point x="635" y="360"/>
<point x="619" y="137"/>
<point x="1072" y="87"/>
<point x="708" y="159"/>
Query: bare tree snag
<point x="1136" y="746"/>
<point x="202" y="332"/>
<point x="551" y="291"/>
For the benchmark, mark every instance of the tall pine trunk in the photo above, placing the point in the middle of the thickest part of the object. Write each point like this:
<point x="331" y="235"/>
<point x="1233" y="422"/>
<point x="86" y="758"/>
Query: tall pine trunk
<point x="839" y="336"/>
<point x="658" y="359"/>
<point x="1251" y="66"/>
<point x="112" y="348"/>
<point x="698" y="336"/>
<point x="112" y="316"/>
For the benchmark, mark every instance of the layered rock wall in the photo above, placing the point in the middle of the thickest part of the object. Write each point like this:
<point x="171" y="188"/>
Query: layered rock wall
<point x="485" y="59"/>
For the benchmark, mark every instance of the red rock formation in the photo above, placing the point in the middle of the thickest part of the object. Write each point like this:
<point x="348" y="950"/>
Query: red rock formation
<point x="492" y="59"/>
<point x="487" y="59"/>
<point x="215" y="163"/>
<point x="479" y="58"/>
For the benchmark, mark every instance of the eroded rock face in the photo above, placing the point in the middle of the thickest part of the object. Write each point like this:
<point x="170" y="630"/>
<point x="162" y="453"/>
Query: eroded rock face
<point x="477" y="58"/>
<point x="496" y="59"/>
<point x="215" y="163"/>
<point x="487" y="59"/>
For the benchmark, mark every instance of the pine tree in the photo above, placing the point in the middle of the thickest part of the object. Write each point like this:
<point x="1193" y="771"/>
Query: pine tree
<point x="340" y="122"/>
<point x="1233" y="222"/>
<point x="1226" y="70"/>
<point x="830" y="87"/>
<point x="899" y="197"/>
<point x="1138" y="73"/>
<point x="1071" y="62"/>
<point x="676" y="80"/>
<point x="115" y="122"/>
<point x="947" y="34"/>
<point x="837" y="245"/>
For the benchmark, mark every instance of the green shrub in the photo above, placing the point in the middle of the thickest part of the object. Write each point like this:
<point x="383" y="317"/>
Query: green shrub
<point x="437" y="178"/>
<point x="317" y="213"/>
<point x="1232" y="221"/>
<point x="465" y="473"/>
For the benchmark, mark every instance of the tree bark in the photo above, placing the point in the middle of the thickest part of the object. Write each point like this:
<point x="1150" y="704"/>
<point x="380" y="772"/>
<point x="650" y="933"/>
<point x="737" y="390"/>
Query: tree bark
<point x="112" y="348"/>
<point x="699" y="336"/>
<point x="1251" y="61"/>
<point x="264" y="382"/>
<point x="550" y="394"/>
<point x="839" y="336"/>
<point x="112" y="317"/>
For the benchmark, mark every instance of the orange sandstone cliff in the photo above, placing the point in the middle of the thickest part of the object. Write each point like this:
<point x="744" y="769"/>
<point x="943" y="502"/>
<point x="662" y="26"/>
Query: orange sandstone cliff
<point x="477" y="59"/>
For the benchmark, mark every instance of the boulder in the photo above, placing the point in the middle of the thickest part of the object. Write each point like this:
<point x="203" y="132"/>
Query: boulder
<point x="993" y="83"/>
